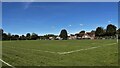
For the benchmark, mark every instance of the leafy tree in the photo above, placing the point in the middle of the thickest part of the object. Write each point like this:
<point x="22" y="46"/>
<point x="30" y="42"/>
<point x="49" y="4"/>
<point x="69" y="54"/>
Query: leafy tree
<point x="42" y="37"/>
<point x="49" y="35"/>
<point x="1" y="32"/>
<point x="63" y="34"/>
<point x="28" y="36"/>
<point x="34" y="36"/>
<point x="22" y="37"/>
<point x="118" y="31"/>
<point x="81" y="33"/>
<point x="111" y="30"/>
<point x="4" y="36"/>
<point x="93" y="31"/>
<point x="99" y="31"/>
<point x="9" y="36"/>
<point x="46" y="36"/>
<point x="16" y="37"/>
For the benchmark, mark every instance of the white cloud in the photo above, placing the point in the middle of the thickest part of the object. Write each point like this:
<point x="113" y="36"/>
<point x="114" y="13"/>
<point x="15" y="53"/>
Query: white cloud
<point x="70" y="25"/>
<point x="109" y="21"/>
<point x="81" y="24"/>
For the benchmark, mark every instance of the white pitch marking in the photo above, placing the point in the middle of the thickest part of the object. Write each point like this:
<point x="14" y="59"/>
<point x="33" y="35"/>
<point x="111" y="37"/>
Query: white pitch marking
<point x="6" y="63"/>
<point x="37" y="50"/>
<point x="77" y="50"/>
<point x="82" y="49"/>
<point x="111" y="44"/>
<point x="68" y="51"/>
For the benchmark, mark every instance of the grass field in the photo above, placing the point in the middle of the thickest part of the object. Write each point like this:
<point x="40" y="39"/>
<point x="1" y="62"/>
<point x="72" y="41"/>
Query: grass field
<point x="61" y="53"/>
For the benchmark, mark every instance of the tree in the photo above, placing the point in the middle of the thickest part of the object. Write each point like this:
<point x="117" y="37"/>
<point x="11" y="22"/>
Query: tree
<point x="111" y="30"/>
<point x="16" y="37"/>
<point x="28" y="36"/>
<point x="46" y="36"/>
<point x="93" y="31"/>
<point x="99" y="31"/>
<point x="34" y="36"/>
<point x="81" y="33"/>
<point x="22" y="37"/>
<point x="9" y="36"/>
<point x="49" y="35"/>
<point x="1" y="32"/>
<point x="118" y="32"/>
<point x="4" y="36"/>
<point x="63" y="34"/>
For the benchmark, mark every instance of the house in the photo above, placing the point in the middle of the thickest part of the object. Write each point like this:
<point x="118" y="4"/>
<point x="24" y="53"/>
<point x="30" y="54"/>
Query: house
<point x="58" y="38"/>
<point x="87" y="35"/>
<point x="51" y="38"/>
<point x="72" y="37"/>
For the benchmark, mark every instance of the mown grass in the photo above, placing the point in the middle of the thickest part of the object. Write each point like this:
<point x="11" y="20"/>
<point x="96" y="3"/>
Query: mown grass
<point x="21" y="53"/>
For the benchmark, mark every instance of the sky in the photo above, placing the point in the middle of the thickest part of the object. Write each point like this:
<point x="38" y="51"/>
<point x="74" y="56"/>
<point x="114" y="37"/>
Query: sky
<point x="51" y="17"/>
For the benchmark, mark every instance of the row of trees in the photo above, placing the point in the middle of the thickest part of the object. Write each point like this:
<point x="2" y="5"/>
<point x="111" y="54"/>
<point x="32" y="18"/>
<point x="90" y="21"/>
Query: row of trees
<point x="110" y="31"/>
<point x="28" y="36"/>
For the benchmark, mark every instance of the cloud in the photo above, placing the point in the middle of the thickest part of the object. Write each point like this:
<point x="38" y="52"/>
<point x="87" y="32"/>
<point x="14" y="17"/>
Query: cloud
<point x="109" y="21"/>
<point x="70" y="25"/>
<point x="81" y="24"/>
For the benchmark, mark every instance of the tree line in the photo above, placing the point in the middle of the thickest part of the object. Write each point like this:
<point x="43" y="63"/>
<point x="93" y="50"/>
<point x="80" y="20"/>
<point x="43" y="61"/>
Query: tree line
<point x="111" y="31"/>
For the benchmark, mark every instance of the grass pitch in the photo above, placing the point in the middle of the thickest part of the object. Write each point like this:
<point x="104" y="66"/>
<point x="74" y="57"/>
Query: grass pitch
<point x="60" y="53"/>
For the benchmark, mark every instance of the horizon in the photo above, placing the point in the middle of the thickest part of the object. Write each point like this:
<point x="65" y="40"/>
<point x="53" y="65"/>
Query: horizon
<point x="51" y="17"/>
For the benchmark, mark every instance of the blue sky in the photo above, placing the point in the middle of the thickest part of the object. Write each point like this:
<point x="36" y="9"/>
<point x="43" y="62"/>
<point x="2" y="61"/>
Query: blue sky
<point x="50" y="17"/>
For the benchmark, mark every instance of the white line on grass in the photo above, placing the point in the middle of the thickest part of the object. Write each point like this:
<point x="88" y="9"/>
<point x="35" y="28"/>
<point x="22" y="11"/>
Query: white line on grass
<point x="37" y="50"/>
<point x="111" y="44"/>
<point x="61" y="53"/>
<point x="81" y="49"/>
<point x="77" y="50"/>
<point x="6" y="63"/>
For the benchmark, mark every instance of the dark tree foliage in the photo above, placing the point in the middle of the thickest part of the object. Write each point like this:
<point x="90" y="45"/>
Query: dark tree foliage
<point x="46" y="36"/>
<point x="16" y="37"/>
<point x="9" y="36"/>
<point x="49" y="35"/>
<point x="34" y="36"/>
<point x="81" y="33"/>
<point x="22" y="37"/>
<point x="92" y="31"/>
<point x="63" y="34"/>
<point x="1" y="32"/>
<point x="4" y="36"/>
<point x="111" y="30"/>
<point x="28" y="36"/>
<point x="99" y="31"/>
<point x="118" y="31"/>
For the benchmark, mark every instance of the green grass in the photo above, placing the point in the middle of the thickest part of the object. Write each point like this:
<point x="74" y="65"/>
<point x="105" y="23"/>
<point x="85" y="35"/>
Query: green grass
<point x="25" y="53"/>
